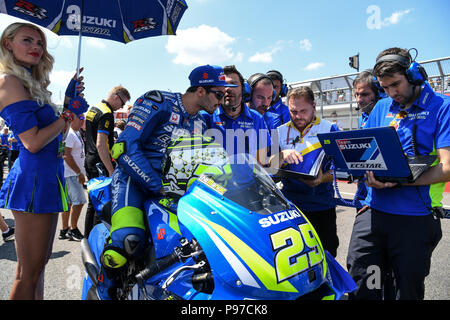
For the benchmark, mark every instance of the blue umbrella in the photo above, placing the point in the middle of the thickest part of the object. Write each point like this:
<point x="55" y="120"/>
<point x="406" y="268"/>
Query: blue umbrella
<point x="118" y="20"/>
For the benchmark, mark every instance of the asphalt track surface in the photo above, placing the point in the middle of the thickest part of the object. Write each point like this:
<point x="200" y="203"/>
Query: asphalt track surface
<point x="64" y="272"/>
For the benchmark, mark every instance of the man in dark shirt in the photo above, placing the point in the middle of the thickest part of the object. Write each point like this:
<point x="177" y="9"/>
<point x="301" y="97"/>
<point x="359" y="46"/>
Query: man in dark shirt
<point x="99" y="141"/>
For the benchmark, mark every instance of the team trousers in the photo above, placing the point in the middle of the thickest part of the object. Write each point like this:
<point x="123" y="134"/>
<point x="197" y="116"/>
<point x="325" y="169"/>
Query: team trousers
<point x="324" y="222"/>
<point x="90" y="165"/>
<point x="383" y="243"/>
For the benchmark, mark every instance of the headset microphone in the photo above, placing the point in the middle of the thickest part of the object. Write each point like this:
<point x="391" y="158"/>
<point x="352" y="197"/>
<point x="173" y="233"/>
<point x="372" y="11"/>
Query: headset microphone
<point x="372" y="103"/>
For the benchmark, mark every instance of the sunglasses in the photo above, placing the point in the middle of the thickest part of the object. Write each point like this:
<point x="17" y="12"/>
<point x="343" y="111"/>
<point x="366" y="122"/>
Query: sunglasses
<point x="219" y="94"/>
<point x="121" y="100"/>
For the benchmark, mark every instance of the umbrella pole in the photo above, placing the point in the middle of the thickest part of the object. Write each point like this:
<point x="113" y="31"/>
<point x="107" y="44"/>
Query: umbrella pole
<point x="79" y="42"/>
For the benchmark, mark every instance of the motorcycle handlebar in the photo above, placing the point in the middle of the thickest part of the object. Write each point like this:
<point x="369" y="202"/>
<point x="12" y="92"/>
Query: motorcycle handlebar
<point x="158" y="266"/>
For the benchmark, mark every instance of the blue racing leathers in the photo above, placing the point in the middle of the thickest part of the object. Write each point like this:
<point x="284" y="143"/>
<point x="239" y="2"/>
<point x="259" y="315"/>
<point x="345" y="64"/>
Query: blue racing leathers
<point x="156" y="118"/>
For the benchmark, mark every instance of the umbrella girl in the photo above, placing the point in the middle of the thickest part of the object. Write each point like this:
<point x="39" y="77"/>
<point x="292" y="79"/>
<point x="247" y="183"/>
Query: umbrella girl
<point x="35" y="188"/>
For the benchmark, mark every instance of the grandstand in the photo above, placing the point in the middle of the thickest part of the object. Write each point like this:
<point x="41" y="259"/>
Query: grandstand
<point x="335" y="100"/>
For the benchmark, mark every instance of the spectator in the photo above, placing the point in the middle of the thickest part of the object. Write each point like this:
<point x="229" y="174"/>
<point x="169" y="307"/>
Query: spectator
<point x="74" y="174"/>
<point x="7" y="231"/>
<point x="4" y="151"/>
<point x="14" y="150"/>
<point x="118" y="128"/>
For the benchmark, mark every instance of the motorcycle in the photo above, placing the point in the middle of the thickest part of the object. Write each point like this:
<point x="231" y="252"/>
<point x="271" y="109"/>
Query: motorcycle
<point x="232" y="236"/>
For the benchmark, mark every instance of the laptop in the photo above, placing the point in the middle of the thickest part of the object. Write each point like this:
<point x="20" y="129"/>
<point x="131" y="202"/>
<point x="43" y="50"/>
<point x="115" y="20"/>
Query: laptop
<point x="375" y="149"/>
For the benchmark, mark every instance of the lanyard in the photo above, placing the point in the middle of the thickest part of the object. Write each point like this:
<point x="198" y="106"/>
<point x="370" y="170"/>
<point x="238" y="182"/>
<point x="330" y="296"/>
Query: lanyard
<point x="302" y="134"/>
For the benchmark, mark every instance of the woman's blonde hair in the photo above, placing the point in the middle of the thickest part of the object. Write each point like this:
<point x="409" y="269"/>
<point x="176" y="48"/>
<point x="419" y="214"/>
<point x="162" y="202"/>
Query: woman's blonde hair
<point x="37" y="81"/>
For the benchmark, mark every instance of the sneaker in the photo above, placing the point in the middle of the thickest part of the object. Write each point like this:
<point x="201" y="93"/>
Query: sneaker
<point x="8" y="236"/>
<point x="63" y="234"/>
<point x="75" y="234"/>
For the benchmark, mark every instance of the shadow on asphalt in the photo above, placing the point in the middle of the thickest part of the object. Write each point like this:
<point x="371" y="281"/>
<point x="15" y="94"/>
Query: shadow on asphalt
<point x="8" y="251"/>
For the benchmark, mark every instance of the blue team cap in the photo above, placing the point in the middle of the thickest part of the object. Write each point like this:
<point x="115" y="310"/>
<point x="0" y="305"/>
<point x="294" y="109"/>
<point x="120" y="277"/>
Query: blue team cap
<point x="208" y="76"/>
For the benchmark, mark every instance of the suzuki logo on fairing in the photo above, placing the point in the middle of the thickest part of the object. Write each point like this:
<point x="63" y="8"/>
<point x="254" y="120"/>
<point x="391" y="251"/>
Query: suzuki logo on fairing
<point x="161" y="233"/>
<point x="279" y="217"/>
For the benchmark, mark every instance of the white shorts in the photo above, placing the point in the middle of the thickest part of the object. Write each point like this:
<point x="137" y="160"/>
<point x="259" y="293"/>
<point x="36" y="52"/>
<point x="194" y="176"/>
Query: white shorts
<point x="75" y="191"/>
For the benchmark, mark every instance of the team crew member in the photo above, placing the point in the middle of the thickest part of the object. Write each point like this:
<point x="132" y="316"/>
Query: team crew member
<point x="277" y="106"/>
<point x="298" y="141"/>
<point x="34" y="189"/>
<point x="260" y="95"/>
<point x="399" y="231"/>
<point x="156" y="119"/>
<point x="366" y="94"/>
<point x="239" y="128"/>
<point x="99" y="141"/>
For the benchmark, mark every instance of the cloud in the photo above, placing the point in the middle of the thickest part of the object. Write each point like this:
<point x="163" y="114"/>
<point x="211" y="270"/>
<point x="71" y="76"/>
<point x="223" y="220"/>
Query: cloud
<point x="267" y="56"/>
<point x="314" y="66"/>
<point x="61" y="77"/>
<point x="262" y="57"/>
<point x="374" y="20"/>
<point x="395" y="17"/>
<point x="96" y="43"/>
<point x="201" y="45"/>
<point x="305" y="44"/>
<point x="239" y="57"/>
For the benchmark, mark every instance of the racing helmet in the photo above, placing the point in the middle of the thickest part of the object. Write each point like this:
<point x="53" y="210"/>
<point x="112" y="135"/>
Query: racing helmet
<point x="187" y="158"/>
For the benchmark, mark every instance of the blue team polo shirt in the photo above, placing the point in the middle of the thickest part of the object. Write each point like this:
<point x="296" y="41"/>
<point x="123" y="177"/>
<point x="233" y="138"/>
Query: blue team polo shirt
<point x="273" y="120"/>
<point x="281" y="110"/>
<point x="431" y="114"/>
<point x="362" y="120"/>
<point x="249" y="122"/>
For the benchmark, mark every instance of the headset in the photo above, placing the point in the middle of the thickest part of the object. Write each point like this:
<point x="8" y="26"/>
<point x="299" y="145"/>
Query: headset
<point x="250" y="84"/>
<point x="415" y="73"/>
<point x="375" y="87"/>
<point x="277" y="75"/>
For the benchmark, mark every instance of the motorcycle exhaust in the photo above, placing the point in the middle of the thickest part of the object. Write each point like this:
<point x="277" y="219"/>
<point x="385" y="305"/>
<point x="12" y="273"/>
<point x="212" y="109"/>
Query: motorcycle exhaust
<point x="89" y="262"/>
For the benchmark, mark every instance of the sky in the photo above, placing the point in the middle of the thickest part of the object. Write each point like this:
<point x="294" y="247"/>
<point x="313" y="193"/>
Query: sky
<point x="303" y="40"/>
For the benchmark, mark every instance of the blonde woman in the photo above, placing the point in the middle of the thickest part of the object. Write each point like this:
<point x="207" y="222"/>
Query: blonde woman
<point x="35" y="188"/>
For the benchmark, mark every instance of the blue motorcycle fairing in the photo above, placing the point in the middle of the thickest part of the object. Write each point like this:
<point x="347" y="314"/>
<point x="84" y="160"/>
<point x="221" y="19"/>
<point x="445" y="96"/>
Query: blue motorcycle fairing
<point x="99" y="192"/>
<point x="164" y="228"/>
<point x="97" y="239"/>
<point x="241" y="251"/>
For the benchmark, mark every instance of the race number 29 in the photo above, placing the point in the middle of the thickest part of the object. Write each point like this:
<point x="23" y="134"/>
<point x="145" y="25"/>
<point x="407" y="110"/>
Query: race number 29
<point x="289" y="244"/>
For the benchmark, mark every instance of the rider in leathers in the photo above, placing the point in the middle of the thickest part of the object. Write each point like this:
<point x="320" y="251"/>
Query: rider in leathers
<point x="155" y="120"/>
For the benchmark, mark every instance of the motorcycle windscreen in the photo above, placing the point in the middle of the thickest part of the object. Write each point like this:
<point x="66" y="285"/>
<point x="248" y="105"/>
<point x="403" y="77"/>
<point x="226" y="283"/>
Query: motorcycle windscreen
<point x="258" y="244"/>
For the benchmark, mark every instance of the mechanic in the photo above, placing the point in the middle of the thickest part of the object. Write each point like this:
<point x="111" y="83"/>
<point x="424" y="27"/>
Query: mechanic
<point x="400" y="228"/>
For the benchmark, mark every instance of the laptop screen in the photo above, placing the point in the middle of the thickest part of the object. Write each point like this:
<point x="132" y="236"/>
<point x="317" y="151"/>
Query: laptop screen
<point x="375" y="149"/>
